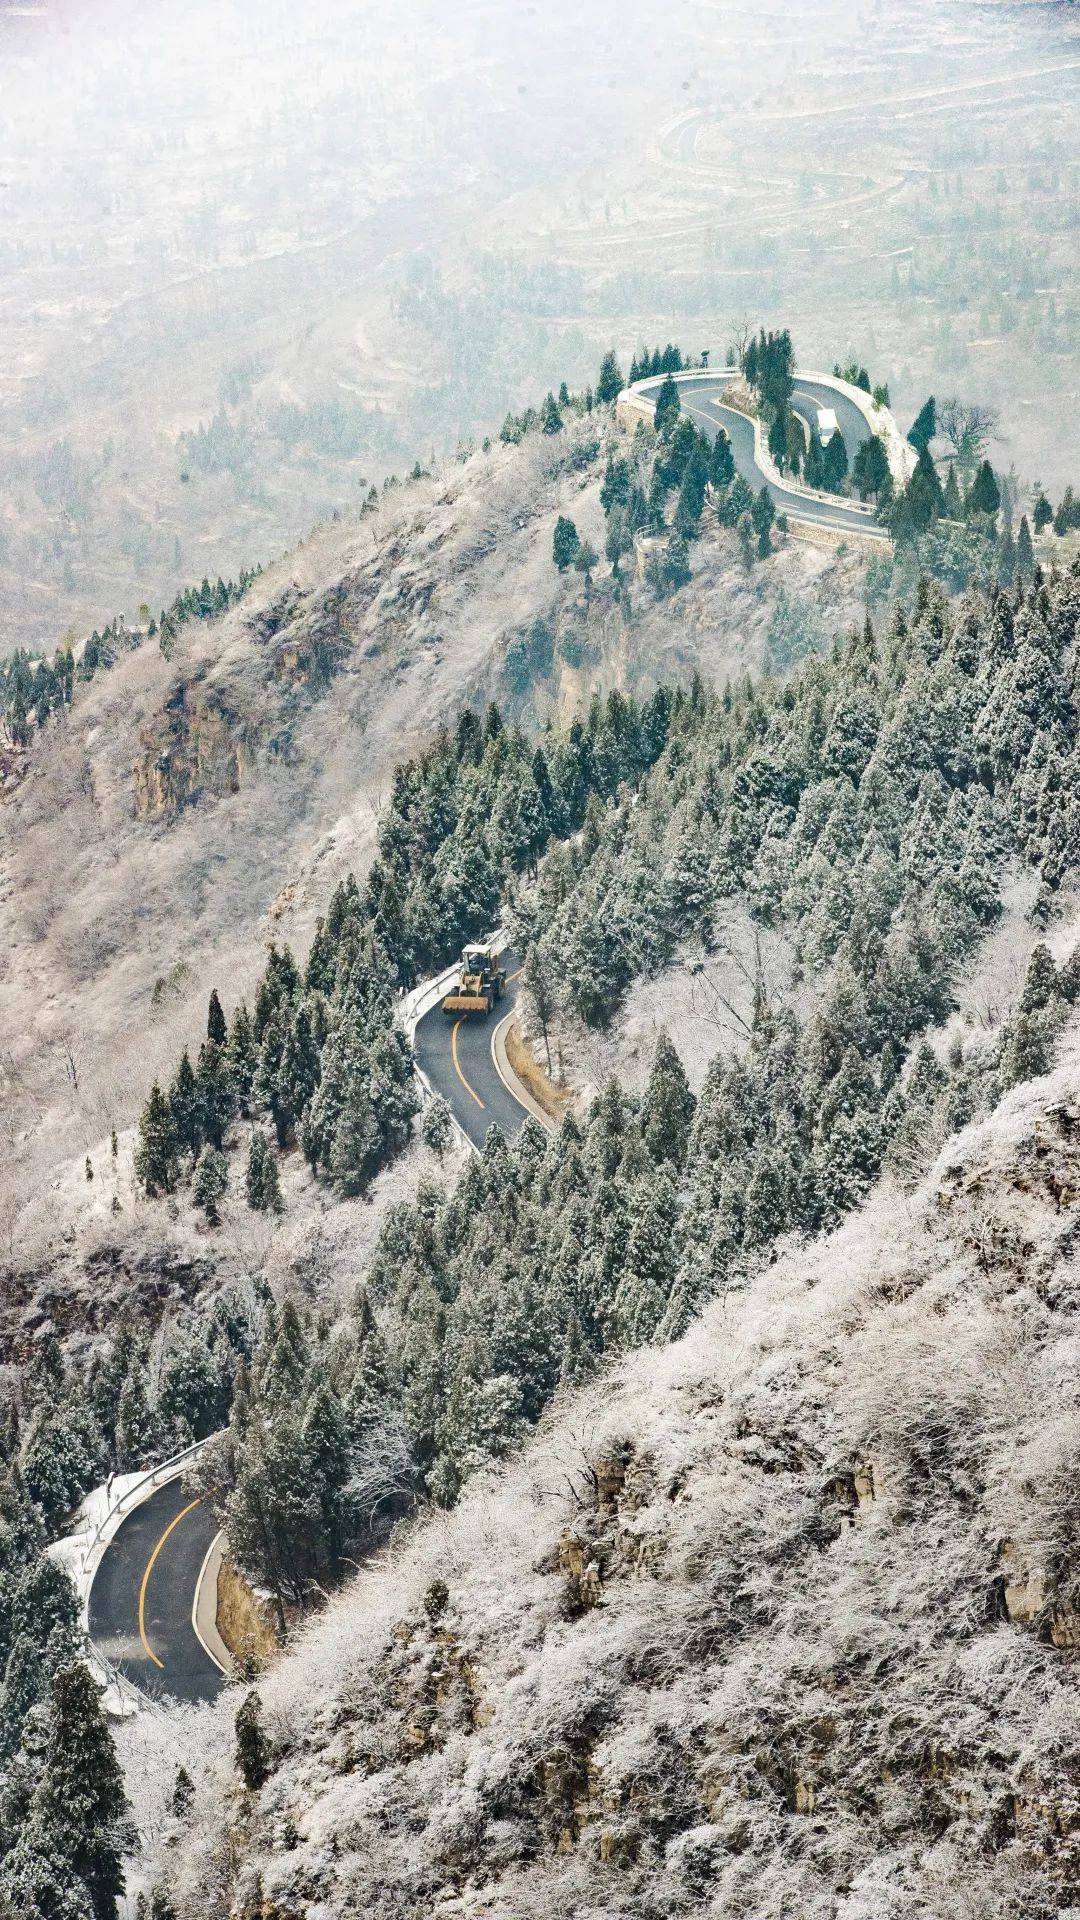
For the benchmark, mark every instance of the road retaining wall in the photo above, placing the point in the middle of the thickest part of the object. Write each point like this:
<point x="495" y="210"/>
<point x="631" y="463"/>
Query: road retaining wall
<point x="205" y="1606"/>
<point x="813" y="534"/>
<point x="511" y="1080"/>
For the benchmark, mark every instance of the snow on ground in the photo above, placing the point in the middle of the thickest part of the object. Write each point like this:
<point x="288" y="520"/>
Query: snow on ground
<point x="703" y="1001"/>
<point x="788" y="1666"/>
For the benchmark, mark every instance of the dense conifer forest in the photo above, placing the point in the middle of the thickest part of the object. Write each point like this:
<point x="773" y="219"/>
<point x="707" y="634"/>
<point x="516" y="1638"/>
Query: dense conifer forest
<point x="872" y="809"/>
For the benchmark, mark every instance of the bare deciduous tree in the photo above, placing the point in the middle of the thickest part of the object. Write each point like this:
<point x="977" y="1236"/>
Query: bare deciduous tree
<point x="968" y="430"/>
<point x="742" y="333"/>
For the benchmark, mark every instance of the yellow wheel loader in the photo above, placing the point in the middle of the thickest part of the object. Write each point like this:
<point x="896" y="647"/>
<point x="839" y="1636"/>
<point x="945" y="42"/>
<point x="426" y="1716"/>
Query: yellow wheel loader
<point x="481" y="979"/>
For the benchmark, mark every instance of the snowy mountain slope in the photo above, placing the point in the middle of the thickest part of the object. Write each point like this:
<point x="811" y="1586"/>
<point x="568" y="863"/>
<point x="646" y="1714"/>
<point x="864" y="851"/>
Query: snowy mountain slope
<point x="781" y="1619"/>
<point x="192" y="807"/>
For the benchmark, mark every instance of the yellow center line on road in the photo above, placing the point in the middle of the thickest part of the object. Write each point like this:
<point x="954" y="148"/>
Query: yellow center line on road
<point x="457" y="1065"/>
<point x="182" y="1515"/>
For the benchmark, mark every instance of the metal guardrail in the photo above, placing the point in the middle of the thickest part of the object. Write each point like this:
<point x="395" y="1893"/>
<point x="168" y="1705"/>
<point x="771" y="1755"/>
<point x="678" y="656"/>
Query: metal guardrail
<point x="82" y="1560"/>
<point x="420" y="1001"/>
<point x="641" y="392"/>
<point x="134" y="1495"/>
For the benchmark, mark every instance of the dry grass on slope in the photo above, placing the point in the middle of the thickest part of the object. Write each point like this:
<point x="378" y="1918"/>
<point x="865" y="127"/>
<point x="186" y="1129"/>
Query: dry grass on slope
<point x="781" y="1620"/>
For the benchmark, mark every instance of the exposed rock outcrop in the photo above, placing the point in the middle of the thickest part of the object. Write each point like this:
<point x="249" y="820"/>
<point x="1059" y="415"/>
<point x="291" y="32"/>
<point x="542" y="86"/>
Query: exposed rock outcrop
<point x="202" y="746"/>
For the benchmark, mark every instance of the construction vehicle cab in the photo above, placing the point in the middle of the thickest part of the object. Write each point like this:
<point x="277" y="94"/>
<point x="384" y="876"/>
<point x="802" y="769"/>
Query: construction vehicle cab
<point x="481" y="979"/>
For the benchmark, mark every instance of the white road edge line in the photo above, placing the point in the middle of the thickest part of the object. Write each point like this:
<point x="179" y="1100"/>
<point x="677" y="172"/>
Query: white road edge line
<point x="209" y="1651"/>
<point x="529" y="1105"/>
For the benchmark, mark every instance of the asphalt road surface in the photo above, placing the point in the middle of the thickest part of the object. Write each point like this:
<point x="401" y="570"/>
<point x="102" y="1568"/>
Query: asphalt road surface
<point x="142" y="1596"/>
<point x="454" y="1051"/>
<point x="703" y="400"/>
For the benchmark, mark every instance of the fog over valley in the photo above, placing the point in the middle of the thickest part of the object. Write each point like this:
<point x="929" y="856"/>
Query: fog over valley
<point x="274" y="253"/>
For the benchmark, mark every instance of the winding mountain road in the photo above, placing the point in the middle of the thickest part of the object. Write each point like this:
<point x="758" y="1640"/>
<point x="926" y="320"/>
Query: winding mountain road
<point x="701" y="396"/>
<point x="458" y="1057"/>
<point x="143" y="1596"/>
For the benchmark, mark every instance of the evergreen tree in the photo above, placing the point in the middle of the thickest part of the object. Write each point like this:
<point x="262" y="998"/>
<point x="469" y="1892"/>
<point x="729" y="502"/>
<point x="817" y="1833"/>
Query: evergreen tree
<point x="814" y="469"/>
<point x="651" y="1260"/>
<point x="194" y="1392"/>
<point x="762" y="515"/>
<point x="610" y="382"/>
<point x="551" y="420"/>
<point x="617" y="481"/>
<point x="668" y="406"/>
<point x="437" y="1129"/>
<point x="985" y="493"/>
<point x="80" y="1799"/>
<point x="619" y="540"/>
<point x="216" y="1028"/>
<point x="185" y="1107"/>
<point x="924" y="426"/>
<point x="326" y="1445"/>
<point x="25" y="1682"/>
<point x="262" y="1185"/>
<point x="721" y="461"/>
<point x="871" y="473"/>
<point x="538" y="984"/>
<point x="1025" y="1049"/>
<point x="565" y="544"/>
<point x="253" y="1751"/>
<point x="211" y="1183"/>
<point x="215" y="1093"/>
<point x="1040" y="988"/>
<point x="667" y="1109"/>
<point x="692" y="495"/>
<point x="769" y="367"/>
<point x="156" y="1151"/>
<point x="137" y="1432"/>
<point x="834" y="463"/>
<point x="241" y="1057"/>
<point x="924" y="495"/>
<point x="670" y="570"/>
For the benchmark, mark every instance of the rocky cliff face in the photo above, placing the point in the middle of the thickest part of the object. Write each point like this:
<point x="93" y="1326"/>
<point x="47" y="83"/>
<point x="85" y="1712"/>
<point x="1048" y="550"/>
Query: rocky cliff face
<point x="199" y="747"/>
<point x="782" y="1620"/>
